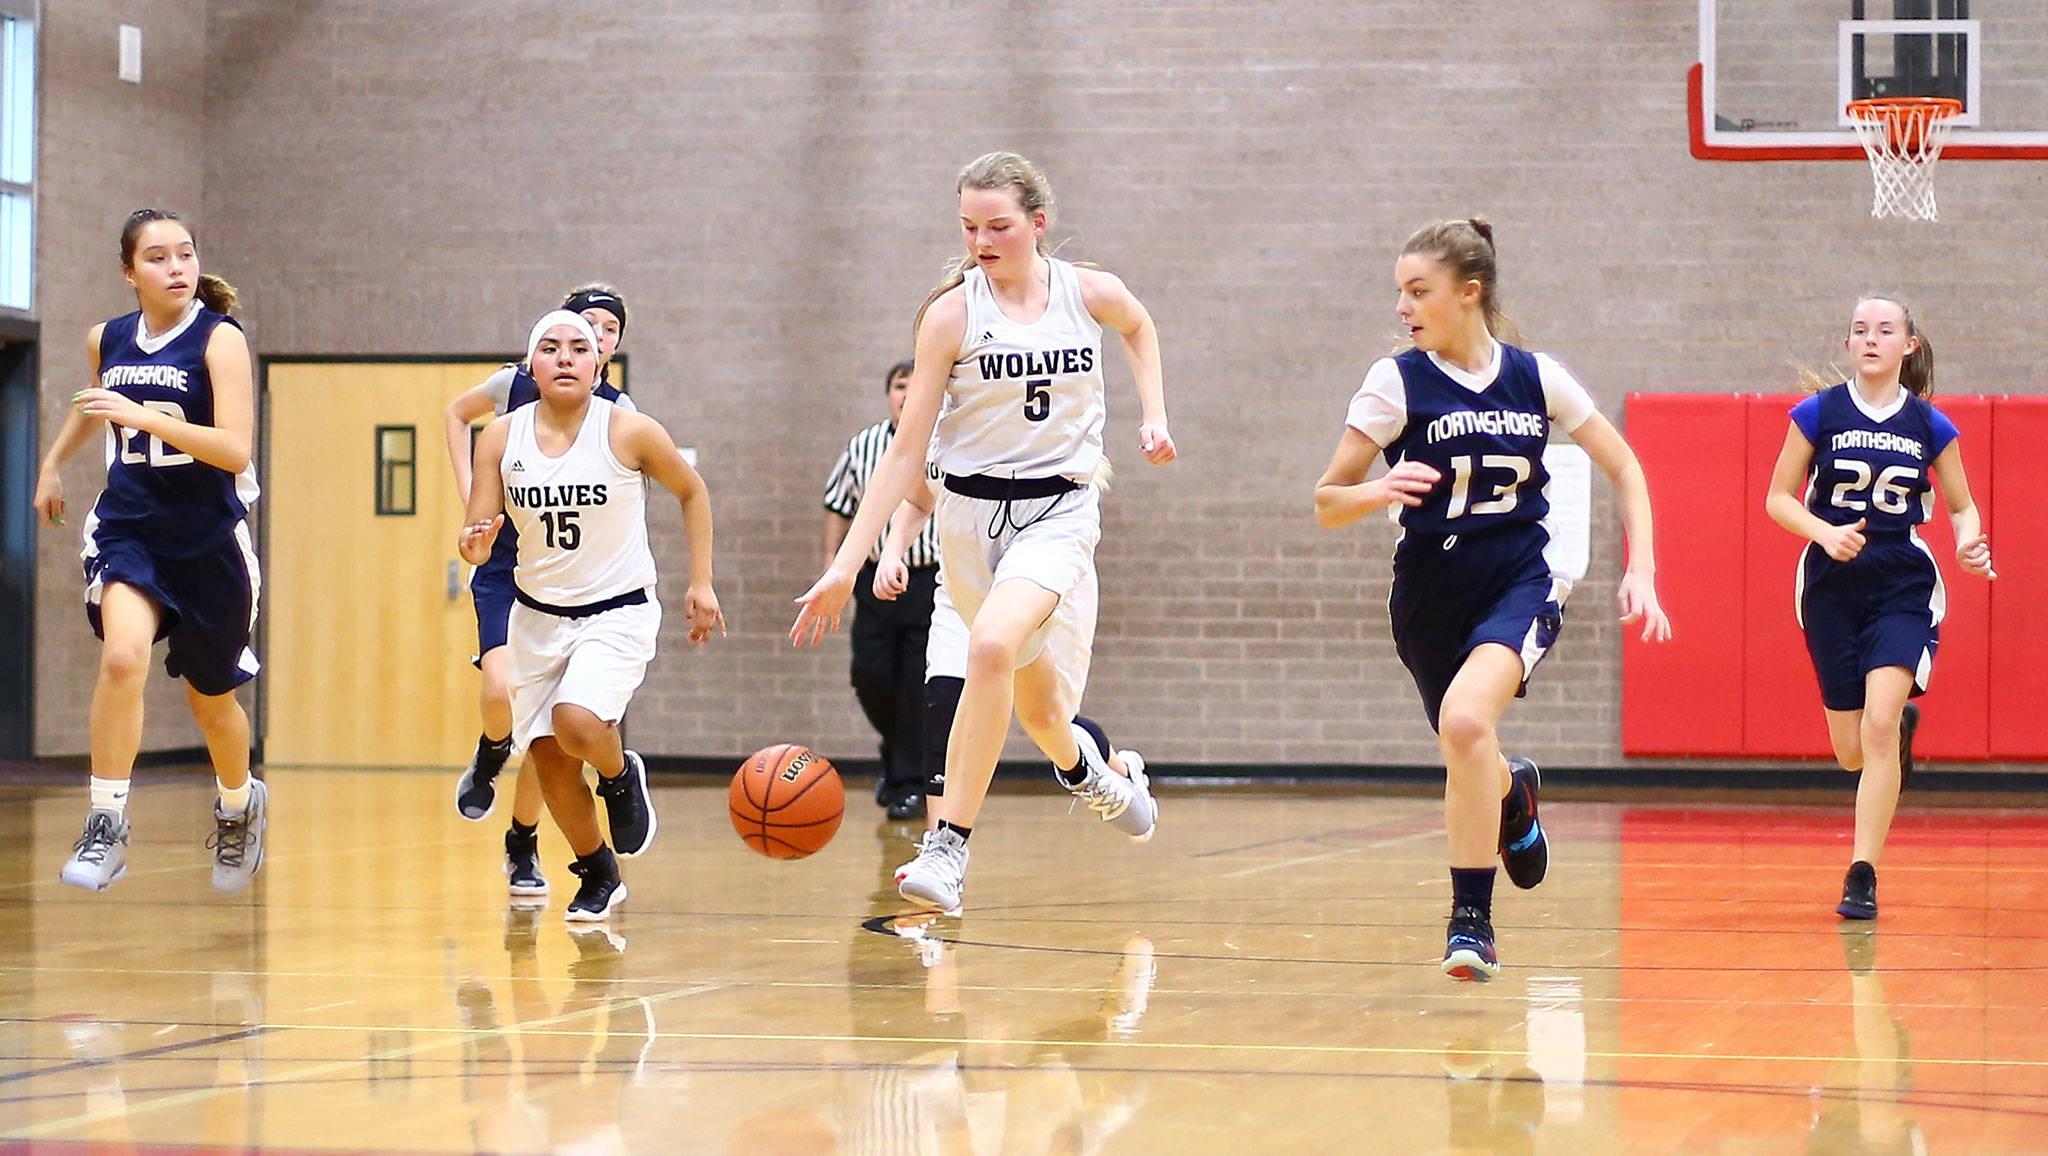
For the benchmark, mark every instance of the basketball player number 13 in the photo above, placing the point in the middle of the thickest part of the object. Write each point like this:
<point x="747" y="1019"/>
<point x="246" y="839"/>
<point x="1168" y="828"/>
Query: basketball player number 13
<point x="1504" y="496"/>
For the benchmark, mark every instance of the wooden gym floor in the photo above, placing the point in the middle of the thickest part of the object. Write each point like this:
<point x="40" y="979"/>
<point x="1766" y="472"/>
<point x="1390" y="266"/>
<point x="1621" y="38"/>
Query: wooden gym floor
<point x="1261" y="978"/>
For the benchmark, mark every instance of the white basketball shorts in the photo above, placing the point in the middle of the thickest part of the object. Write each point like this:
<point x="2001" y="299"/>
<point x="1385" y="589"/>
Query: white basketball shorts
<point x="1054" y="549"/>
<point x="595" y="663"/>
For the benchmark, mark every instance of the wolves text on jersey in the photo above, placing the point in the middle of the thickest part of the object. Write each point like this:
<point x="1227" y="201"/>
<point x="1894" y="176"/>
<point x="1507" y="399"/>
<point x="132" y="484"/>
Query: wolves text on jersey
<point x="537" y="497"/>
<point x="1036" y="363"/>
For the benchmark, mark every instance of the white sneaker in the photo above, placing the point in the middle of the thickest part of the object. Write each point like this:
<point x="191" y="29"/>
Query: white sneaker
<point x="237" y="841"/>
<point x="1126" y="802"/>
<point x="934" y="879"/>
<point x="101" y="854"/>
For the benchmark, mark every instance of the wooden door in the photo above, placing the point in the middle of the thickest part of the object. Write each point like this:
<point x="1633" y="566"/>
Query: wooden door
<point x="370" y="627"/>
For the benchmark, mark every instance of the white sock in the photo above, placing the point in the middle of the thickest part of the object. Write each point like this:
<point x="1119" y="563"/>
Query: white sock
<point x="233" y="800"/>
<point x="110" y="795"/>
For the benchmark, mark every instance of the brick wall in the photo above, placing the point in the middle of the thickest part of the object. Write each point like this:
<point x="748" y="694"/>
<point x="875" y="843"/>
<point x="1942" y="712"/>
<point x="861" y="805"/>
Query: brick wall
<point x="108" y="147"/>
<point x="772" y="186"/>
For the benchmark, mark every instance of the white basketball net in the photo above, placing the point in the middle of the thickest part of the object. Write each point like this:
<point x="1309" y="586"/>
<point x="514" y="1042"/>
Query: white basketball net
<point x="1903" y="145"/>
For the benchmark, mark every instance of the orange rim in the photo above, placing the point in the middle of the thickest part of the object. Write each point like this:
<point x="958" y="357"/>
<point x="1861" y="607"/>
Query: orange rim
<point x="1905" y="118"/>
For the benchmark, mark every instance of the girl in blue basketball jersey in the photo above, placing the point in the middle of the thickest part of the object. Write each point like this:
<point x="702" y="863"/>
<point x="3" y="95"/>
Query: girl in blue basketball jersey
<point x="167" y="553"/>
<point x="1462" y="418"/>
<point x="1869" y="594"/>
<point x="491" y="592"/>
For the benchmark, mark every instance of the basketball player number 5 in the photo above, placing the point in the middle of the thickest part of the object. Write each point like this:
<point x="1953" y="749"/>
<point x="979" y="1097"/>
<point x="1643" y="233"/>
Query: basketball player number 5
<point x="1504" y="496"/>
<point x="1037" y="399"/>
<point x="158" y="454"/>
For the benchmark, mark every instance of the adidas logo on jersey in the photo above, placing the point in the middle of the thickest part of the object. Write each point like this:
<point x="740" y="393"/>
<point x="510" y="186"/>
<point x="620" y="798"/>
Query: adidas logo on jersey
<point x="986" y="336"/>
<point x="516" y="465"/>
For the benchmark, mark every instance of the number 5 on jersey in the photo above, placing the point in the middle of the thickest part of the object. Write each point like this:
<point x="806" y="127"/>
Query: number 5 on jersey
<point x="1037" y="399"/>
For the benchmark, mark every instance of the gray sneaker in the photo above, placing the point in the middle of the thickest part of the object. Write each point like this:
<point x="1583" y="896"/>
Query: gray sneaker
<point x="237" y="841"/>
<point x="1126" y="802"/>
<point x="934" y="879"/>
<point x="101" y="854"/>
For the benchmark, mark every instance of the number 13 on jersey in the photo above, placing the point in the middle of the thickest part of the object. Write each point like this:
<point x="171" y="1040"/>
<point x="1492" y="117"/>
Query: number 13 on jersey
<point x="1506" y="492"/>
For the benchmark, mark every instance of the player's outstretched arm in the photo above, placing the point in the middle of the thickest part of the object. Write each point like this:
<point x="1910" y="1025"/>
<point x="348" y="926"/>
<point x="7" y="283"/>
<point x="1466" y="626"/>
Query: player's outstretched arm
<point x="485" y="514"/>
<point x="1638" y="594"/>
<point x="641" y="443"/>
<point x="78" y="428"/>
<point x="1112" y="303"/>
<point x="901" y="468"/>
<point x="1973" y="547"/>
<point x="892" y="577"/>
<point x="468" y="407"/>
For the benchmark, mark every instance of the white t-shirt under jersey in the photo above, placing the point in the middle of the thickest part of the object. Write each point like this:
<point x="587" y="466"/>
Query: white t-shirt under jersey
<point x="1025" y="400"/>
<point x="1379" y="409"/>
<point x="581" y="517"/>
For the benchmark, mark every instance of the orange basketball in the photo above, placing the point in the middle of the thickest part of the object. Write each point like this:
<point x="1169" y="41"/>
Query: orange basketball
<point x="786" y="801"/>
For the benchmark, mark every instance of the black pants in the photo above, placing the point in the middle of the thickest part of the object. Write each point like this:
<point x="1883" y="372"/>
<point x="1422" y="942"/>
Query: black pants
<point x="888" y="674"/>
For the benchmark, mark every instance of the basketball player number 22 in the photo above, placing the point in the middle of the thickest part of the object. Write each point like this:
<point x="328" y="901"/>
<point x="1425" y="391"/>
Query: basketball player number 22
<point x="1504" y="496"/>
<point x="157" y="454"/>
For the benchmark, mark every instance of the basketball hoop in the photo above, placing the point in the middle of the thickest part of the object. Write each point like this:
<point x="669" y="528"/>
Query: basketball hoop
<point x="1902" y="136"/>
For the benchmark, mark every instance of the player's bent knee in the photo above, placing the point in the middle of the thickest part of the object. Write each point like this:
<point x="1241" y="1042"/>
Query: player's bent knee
<point x="1463" y="729"/>
<point x="577" y="730"/>
<point x="124" y="662"/>
<point x="991" y="654"/>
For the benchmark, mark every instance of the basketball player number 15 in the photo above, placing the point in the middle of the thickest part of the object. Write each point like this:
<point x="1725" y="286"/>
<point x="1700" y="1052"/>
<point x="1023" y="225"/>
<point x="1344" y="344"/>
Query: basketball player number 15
<point x="563" y="532"/>
<point x="1504" y="496"/>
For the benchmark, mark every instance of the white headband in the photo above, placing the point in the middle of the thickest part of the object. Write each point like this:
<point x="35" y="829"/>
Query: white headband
<point x="552" y="318"/>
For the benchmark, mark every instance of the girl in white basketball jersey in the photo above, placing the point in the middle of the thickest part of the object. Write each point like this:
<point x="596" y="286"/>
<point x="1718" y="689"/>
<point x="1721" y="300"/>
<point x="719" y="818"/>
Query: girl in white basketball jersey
<point x="1011" y="343"/>
<point x="568" y="472"/>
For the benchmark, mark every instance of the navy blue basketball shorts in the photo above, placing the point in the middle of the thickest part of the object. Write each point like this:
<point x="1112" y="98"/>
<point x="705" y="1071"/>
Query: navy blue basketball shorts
<point x="1881" y="610"/>
<point x="1455" y="594"/>
<point x="490" y="588"/>
<point x="208" y="604"/>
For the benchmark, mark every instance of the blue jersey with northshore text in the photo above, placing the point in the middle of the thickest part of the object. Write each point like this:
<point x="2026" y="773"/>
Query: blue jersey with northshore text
<point x="158" y="495"/>
<point x="1488" y="445"/>
<point x="1872" y="464"/>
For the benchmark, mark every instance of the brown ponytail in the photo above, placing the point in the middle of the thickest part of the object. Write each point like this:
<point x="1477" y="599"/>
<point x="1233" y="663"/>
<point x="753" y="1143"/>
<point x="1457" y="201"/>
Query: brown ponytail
<point x="1465" y="247"/>
<point x="997" y="170"/>
<point x="214" y="293"/>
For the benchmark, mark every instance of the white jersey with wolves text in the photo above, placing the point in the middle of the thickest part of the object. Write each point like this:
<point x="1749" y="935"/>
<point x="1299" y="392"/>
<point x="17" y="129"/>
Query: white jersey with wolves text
<point x="1025" y="400"/>
<point x="581" y="517"/>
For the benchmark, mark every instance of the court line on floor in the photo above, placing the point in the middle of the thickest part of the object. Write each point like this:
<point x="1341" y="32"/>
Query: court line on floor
<point x="438" y="1038"/>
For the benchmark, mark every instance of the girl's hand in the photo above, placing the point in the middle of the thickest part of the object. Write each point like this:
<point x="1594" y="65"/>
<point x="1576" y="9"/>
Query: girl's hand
<point x="892" y="577"/>
<point x="1638" y="595"/>
<point x="114" y="407"/>
<point x="819" y="607"/>
<point x="49" y="499"/>
<point x="1408" y="483"/>
<point x="1975" y="556"/>
<point x="477" y="540"/>
<point x="1156" y="443"/>
<point x="1842" y="543"/>
<point x="700" y="609"/>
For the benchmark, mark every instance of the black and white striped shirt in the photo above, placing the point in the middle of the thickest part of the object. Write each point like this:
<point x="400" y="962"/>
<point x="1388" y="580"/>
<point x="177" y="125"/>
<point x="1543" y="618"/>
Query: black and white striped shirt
<point x="849" y="481"/>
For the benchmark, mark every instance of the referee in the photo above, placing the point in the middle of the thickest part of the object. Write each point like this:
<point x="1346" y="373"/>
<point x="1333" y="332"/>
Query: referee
<point x="888" y="637"/>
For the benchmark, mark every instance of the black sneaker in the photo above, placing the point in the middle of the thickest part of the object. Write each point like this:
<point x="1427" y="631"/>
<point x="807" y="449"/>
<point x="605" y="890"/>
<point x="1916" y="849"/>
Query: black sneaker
<point x="1468" y="946"/>
<point x="601" y="891"/>
<point x="1524" y="849"/>
<point x="1909" y="721"/>
<point x="476" y="792"/>
<point x="910" y="806"/>
<point x="628" y="808"/>
<point x="1859" y="892"/>
<point x="522" y="865"/>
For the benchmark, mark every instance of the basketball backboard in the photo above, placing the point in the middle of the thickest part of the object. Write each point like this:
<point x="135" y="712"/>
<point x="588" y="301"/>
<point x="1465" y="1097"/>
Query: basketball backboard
<point x="1774" y="75"/>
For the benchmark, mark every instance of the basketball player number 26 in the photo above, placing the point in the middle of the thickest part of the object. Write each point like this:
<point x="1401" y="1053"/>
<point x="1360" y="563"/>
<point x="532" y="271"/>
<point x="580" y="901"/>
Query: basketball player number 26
<point x="1504" y="496"/>
<point x="1890" y="491"/>
<point x="157" y="454"/>
<point x="1037" y="398"/>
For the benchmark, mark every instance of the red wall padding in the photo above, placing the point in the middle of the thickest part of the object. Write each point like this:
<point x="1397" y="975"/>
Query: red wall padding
<point x="2019" y="550"/>
<point x="1684" y="697"/>
<point x="1735" y="679"/>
